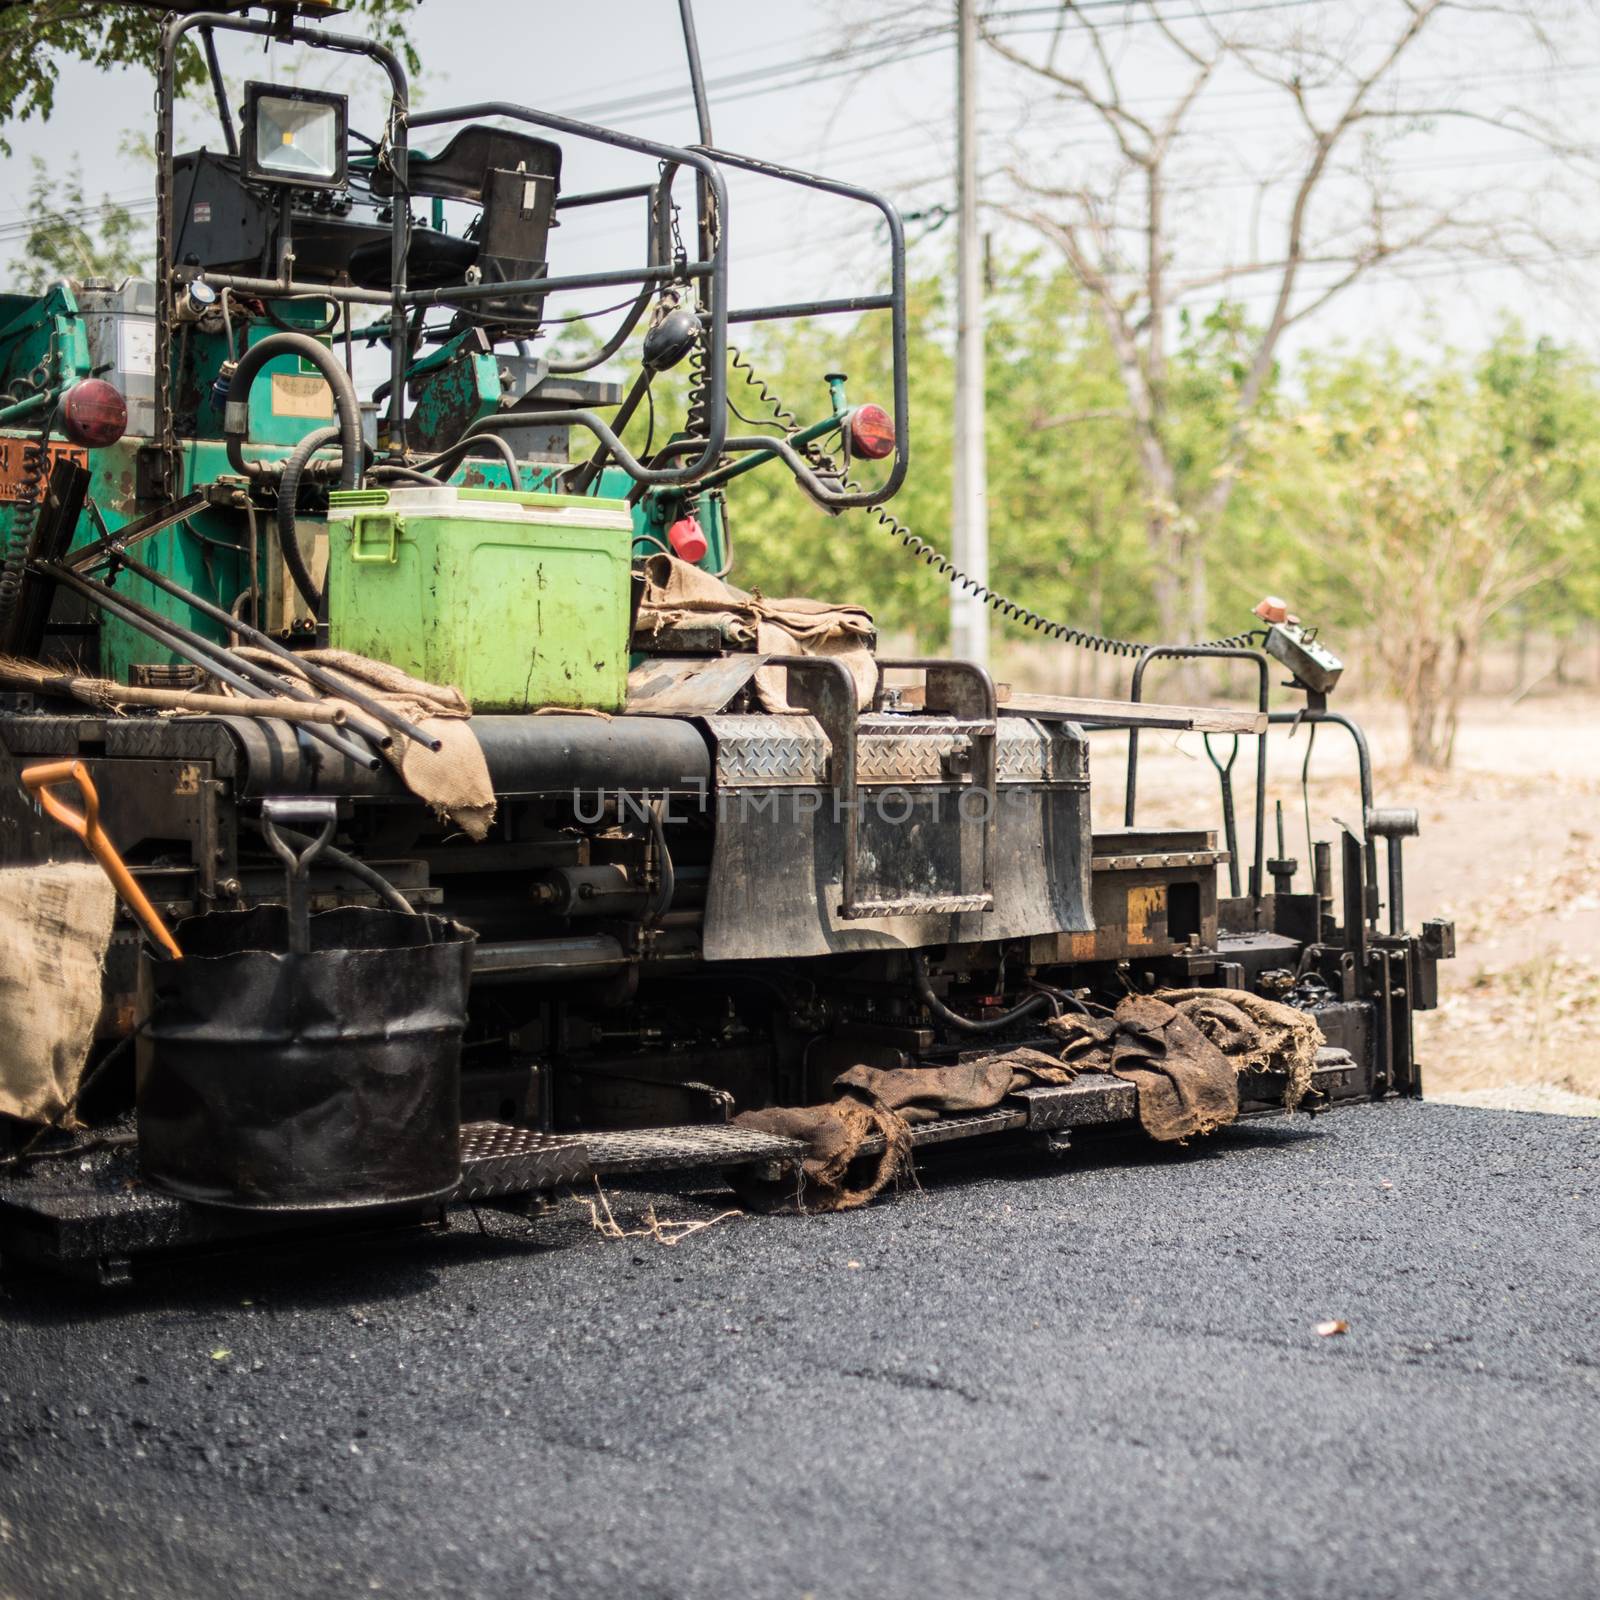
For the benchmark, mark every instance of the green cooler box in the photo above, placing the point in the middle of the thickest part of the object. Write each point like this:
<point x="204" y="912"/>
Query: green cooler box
<point x="517" y="600"/>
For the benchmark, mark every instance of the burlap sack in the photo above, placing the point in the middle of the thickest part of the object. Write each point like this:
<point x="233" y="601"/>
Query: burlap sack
<point x="454" y="780"/>
<point x="677" y="593"/>
<point x="55" y="927"/>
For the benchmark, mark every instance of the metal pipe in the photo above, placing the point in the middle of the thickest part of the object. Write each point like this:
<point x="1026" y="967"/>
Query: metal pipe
<point x="453" y="294"/>
<point x="1364" y="777"/>
<point x="23" y="408"/>
<point x="814" y="308"/>
<point x="601" y="197"/>
<point x="657" y="238"/>
<point x="211" y="658"/>
<point x="897" y="308"/>
<point x="1199" y="652"/>
<point x="591" y="469"/>
<point x="277" y="288"/>
<point x="697" y="80"/>
<point x="1322" y="879"/>
<point x="220" y="89"/>
<point x="140" y="528"/>
<point x="770" y="443"/>
<point x="595" y="955"/>
<point x="326" y="681"/>
<point x="262" y="681"/>
<point x="172" y="33"/>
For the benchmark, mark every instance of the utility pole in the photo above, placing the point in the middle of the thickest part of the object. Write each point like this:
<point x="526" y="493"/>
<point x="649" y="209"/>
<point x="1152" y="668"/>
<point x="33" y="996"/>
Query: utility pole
<point x="969" y="617"/>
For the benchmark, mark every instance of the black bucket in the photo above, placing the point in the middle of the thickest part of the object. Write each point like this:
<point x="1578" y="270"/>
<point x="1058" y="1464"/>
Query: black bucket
<point x="270" y="1081"/>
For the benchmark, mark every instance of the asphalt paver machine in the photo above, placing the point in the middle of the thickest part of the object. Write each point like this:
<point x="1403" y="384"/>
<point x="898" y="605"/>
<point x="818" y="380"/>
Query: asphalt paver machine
<point x="699" y="853"/>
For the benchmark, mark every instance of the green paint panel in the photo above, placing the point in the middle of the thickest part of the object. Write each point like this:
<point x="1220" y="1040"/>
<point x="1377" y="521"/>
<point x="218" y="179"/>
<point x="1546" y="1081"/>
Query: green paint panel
<point x="193" y="554"/>
<point x="517" y="600"/>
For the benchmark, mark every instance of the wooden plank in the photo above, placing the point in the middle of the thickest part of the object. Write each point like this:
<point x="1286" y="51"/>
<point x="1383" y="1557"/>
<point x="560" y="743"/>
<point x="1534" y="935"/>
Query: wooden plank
<point x="1112" y="713"/>
<point x="1128" y="714"/>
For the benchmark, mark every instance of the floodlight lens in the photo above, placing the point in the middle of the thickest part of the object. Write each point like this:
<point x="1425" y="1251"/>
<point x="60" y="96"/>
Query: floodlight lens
<point x="297" y="138"/>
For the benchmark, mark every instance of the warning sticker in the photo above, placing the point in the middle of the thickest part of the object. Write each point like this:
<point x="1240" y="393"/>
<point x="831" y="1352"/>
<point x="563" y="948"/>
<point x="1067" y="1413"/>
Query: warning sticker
<point x="137" y="346"/>
<point x="202" y="211"/>
<point x="11" y="474"/>
<point x="294" y="395"/>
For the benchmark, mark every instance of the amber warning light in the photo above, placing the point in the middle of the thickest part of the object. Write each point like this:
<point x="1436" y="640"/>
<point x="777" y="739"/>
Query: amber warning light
<point x="93" y="413"/>
<point x="871" y="433"/>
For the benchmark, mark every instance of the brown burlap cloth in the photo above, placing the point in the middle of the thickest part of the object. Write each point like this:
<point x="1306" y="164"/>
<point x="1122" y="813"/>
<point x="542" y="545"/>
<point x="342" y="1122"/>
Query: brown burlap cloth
<point x="55" y="928"/>
<point x="453" y="780"/>
<point x="676" y="593"/>
<point x="1183" y="1050"/>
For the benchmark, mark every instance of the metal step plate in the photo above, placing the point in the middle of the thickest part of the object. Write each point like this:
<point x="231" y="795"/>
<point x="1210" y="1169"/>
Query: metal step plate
<point x="498" y="1159"/>
<point x="707" y="1145"/>
<point x="960" y="1125"/>
<point x="1092" y="1097"/>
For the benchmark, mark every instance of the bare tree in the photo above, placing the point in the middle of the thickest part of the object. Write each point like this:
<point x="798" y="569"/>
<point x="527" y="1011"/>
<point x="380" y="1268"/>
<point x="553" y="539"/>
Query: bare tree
<point x="1345" y="88"/>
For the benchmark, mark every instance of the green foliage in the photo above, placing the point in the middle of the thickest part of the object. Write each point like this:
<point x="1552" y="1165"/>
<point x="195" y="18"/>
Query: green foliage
<point x="1065" y="506"/>
<point x="1412" y="508"/>
<point x="70" y="237"/>
<point x="36" y="38"/>
<point x="1439" y="496"/>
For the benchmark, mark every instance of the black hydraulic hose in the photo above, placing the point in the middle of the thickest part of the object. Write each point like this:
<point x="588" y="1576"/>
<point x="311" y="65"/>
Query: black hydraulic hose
<point x="479" y="433"/>
<point x="392" y="469"/>
<point x="236" y="415"/>
<point x="294" y="466"/>
<point x="345" y="862"/>
<point x="954" y="1019"/>
<point x="664" y="870"/>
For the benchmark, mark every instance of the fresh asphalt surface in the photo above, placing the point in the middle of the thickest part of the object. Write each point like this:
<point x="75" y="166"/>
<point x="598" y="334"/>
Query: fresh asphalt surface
<point x="1095" y="1378"/>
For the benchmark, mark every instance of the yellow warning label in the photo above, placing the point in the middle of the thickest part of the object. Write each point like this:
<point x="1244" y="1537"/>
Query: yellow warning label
<point x="1144" y="907"/>
<point x="296" y="395"/>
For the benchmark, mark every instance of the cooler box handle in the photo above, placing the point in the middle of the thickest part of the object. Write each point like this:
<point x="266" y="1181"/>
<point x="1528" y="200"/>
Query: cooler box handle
<point x="382" y="547"/>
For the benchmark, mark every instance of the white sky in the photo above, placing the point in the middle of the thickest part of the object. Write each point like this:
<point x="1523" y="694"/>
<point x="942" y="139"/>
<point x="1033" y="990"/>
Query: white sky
<point x="891" y="127"/>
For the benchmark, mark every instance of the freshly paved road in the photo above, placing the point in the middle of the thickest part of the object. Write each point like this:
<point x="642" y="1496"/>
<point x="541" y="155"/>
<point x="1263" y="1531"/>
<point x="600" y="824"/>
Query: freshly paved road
<point x="1098" y="1379"/>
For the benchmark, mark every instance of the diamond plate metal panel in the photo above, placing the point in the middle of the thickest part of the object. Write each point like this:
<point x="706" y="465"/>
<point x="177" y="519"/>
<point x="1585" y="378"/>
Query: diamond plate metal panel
<point x="756" y="750"/>
<point x="500" y="1159"/>
<point x="1090" y="1098"/>
<point x="760" y="750"/>
<point x="711" y="1144"/>
<point x="953" y="1126"/>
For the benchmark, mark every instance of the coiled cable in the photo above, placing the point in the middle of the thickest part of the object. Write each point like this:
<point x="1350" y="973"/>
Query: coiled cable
<point x="781" y="416"/>
<point x="1003" y="605"/>
<point x="30" y="493"/>
<point x="1015" y="611"/>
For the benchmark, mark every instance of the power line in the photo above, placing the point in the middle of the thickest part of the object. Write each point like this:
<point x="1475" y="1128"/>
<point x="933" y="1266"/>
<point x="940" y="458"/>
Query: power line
<point x="663" y="101"/>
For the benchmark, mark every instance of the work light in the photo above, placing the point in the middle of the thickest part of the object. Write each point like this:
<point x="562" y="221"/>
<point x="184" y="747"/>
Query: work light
<point x="294" y="136"/>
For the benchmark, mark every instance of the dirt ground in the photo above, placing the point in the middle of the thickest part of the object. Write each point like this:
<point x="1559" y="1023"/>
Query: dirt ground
<point x="1510" y="848"/>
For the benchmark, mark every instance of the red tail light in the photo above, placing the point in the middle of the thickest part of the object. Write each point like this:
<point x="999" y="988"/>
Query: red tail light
<point x="871" y="433"/>
<point x="93" y="413"/>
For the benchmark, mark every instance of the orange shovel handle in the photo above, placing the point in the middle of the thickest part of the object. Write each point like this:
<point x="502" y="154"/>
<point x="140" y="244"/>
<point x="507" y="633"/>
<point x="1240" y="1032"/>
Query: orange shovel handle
<point x="40" y="780"/>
